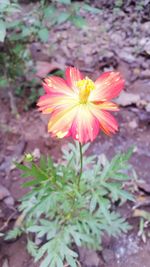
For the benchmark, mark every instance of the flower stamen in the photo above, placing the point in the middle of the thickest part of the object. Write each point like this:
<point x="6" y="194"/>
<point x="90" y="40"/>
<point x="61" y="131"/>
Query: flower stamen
<point x="85" y="87"/>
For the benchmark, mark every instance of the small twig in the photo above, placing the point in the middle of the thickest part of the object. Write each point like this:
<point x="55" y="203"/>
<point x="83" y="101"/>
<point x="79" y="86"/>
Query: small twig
<point x="13" y="104"/>
<point x="86" y="70"/>
<point x="8" y="220"/>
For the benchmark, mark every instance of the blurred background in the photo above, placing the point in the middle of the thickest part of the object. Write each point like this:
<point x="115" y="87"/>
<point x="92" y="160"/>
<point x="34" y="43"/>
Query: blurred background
<point x="40" y="38"/>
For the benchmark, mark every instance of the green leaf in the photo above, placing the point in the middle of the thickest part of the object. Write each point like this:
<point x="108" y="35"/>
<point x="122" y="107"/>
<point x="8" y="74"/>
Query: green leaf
<point x="93" y="203"/>
<point x="59" y="262"/>
<point x="3" y="5"/>
<point x="66" y="2"/>
<point x="78" y="21"/>
<point x="12" y="234"/>
<point x="32" y="248"/>
<point x="85" y="147"/>
<point x="22" y="167"/>
<point x="30" y="183"/>
<point x="91" y="9"/>
<point x="70" y="252"/>
<point x="3" y="82"/>
<point x="12" y="24"/>
<point x="42" y="251"/>
<point x="26" y="32"/>
<point x="43" y="34"/>
<point x="71" y="261"/>
<point x="43" y="163"/>
<point x="18" y="48"/>
<point x="47" y="261"/>
<point x="49" y="11"/>
<point x="104" y="207"/>
<point x="63" y="17"/>
<point x="2" y="31"/>
<point x="13" y="7"/>
<point x="118" y="165"/>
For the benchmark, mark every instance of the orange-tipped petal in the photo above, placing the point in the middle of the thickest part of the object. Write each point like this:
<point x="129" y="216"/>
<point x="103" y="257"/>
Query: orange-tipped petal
<point x="107" y="122"/>
<point x="108" y="106"/>
<point x="48" y="102"/>
<point x="108" y="86"/>
<point x="72" y="76"/>
<point x="56" y="85"/>
<point x="85" y="126"/>
<point x="61" y="121"/>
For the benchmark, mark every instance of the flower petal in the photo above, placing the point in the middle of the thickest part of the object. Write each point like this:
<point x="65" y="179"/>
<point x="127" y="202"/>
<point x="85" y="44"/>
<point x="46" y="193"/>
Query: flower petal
<point x="72" y="76"/>
<point x="56" y="85"/>
<point x="107" y="122"/>
<point x="85" y="126"/>
<point x="61" y="121"/>
<point x="108" y="106"/>
<point x="108" y="86"/>
<point x="48" y="103"/>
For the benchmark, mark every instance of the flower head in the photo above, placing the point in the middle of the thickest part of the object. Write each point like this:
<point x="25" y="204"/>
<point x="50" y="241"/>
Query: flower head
<point x="78" y="106"/>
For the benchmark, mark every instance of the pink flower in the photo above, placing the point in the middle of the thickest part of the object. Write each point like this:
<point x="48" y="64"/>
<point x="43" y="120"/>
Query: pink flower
<point x="78" y="106"/>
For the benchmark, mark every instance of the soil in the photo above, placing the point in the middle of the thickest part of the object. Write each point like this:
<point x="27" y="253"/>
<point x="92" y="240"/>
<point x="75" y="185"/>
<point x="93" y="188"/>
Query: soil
<point x="113" y="36"/>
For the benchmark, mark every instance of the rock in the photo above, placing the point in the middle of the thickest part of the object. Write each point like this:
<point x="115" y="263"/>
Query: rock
<point x="106" y="239"/>
<point x="145" y="74"/>
<point x="5" y="263"/>
<point x="145" y="64"/>
<point x="143" y="41"/>
<point x="6" y="197"/>
<point x="144" y="186"/>
<point x="9" y="201"/>
<point x="36" y="153"/>
<point x="8" y="163"/>
<point x="142" y="103"/>
<point x="3" y="192"/>
<point x="145" y="26"/>
<point x="132" y="41"/>
<point x="1" y="214"/>
<point x="127" y="56"/>
<point x="148" y="107"/>
<point x="108" y="255"/>
<point x="125" y="70"/>
<point x="109" y="54"/>
<point x="144" y="117"/>
<point x="126" y="99"/>
<point x="88" y="257"/>
<point x="118" y="37"/>
<point x="133" y="124"/>
<point x="147" y="47"/>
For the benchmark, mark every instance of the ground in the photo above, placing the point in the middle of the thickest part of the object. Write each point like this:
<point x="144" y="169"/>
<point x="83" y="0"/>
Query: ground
<point x="111" y="41"/>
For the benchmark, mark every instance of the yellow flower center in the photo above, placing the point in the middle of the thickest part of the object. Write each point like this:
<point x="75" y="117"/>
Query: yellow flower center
<point x="85" y="87"/>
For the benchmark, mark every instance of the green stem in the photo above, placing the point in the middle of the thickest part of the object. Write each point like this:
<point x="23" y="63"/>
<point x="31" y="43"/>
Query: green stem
<point x="81" y="166"/>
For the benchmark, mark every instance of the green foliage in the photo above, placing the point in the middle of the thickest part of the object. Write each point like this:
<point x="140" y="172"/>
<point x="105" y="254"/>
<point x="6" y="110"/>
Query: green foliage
<point x="138" y="5"/>
<point x="2" y="31"/>
<point x="60" y="214"/>
<point x="44" y="16"/>
<point x="16" y="232"/>
<point x="69" y="11"/>
<point x="32" y="248"/>
<point x="19" y="28"/>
